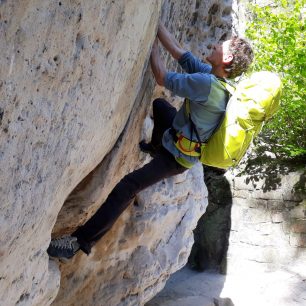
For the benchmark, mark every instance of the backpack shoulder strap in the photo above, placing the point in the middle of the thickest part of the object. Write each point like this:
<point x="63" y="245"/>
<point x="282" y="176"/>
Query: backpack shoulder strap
<point x="230" y="89"/>
<point x="193" y="126"/>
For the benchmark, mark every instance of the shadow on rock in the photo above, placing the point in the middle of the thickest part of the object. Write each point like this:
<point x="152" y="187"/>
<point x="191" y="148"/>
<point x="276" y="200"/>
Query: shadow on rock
<point x="212" y="232"/>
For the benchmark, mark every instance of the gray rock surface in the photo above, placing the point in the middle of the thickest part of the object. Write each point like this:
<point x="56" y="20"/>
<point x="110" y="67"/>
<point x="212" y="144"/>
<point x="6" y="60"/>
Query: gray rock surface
<point x="75" y="91"/>
<point x="150" y="241"/>
<point x="255" y="220"/>
<point x="268" y="221"/>
<point x="69" y="76"/>
<point x="254" y="232"/>
<point x="110" y="283"/>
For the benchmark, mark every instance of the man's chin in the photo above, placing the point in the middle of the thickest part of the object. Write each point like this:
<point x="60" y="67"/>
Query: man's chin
<point x="207" y="59"/>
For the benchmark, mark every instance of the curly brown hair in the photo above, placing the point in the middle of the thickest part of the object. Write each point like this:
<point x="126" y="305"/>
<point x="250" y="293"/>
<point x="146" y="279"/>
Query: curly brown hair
<point x="242" y="57"/>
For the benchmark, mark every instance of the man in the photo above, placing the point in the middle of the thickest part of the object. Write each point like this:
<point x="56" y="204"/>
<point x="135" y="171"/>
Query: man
<point x="172" y="130"/>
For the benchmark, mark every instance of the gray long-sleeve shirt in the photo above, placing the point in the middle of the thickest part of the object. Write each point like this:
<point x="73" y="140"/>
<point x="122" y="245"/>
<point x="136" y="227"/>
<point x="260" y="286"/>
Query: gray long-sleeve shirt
<point x="207" y="102"/>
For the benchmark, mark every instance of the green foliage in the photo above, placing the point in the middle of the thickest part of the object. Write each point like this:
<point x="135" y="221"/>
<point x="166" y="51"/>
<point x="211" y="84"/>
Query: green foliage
<point x="277" y="33"/>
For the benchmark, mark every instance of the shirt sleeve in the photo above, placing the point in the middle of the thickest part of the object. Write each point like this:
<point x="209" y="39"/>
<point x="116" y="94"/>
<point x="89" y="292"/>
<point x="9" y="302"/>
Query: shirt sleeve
<point x="192" y="64"/>
<point x="195" y="86"/>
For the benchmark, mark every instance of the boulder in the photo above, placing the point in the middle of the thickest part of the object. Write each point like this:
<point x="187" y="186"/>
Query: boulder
<point x="76" y="96"/>
<point x="70" y="74"/>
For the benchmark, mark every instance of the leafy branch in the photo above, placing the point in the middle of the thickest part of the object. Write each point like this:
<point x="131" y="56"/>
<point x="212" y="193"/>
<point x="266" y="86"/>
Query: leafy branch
<point x="277" y="32"/>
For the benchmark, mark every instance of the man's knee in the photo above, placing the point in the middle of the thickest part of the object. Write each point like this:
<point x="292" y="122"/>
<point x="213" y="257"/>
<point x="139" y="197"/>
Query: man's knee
<point x="159" y="103"/>
<point x="163" y="108"/>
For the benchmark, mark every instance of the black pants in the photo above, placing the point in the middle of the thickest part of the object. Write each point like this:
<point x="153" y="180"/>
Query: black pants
<point x="163" y="165"/>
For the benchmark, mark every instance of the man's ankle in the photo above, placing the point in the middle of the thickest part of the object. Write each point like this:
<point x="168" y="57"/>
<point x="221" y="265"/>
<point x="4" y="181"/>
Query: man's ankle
<point x="84" y="246"/>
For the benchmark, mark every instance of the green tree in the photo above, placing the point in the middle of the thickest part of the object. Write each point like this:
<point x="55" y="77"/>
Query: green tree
<point x="277" y="33"/>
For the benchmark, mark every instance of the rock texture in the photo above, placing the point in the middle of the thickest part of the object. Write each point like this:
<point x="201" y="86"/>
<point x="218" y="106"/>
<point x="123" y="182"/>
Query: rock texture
<point x="212" y="232"/>
<point x="75" y="91"/>
<point x="150" y="241"/>
<point x="70" y="73"/>
<point x="130" y="264"/>
<point x="253" y="232"/>
<point x="258" y="221"/>
<point x="268" y="220"/>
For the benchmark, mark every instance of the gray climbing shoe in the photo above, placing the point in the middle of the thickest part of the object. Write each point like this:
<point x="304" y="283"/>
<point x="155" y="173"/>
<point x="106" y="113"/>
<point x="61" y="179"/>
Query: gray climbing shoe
<point x="64" y="247"/>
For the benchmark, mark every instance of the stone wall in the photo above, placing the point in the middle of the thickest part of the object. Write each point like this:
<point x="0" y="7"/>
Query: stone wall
<point x="130" y="264"/>
<point x="150" y="241"/>
<point x="268" y="219"/>
<point x="70" y="72"/>
<point x="75" y="92"/>
<point x="255" y="220"/>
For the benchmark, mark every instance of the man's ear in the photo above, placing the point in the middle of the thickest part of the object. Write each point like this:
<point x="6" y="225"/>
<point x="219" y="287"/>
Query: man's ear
<point x="227" y="58"/>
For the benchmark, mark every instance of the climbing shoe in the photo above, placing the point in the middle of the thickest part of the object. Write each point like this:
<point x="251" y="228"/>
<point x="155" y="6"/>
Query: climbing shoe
<point x="64" y="247"/>
<point x="147" y="148"/>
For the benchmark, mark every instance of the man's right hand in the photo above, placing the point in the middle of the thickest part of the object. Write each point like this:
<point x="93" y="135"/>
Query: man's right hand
<point x="169" y="42"/>
<point x="157" y="65"/>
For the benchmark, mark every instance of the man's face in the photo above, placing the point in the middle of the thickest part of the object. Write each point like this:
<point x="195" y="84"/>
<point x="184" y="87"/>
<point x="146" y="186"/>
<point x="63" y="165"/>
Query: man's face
<point x="220" y="54"/>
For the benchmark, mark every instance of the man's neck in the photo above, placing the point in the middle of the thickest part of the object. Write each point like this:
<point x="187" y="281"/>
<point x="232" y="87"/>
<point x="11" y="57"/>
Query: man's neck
<point x="218" y="71"/>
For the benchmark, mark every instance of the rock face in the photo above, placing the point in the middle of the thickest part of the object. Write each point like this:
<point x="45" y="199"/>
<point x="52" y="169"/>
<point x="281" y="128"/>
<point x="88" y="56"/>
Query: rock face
<point x="268" y="228"/>
<point x="134" y="260"/>
<point x="213" y="229"/>
<point x="257" y="223"/>
<point x="75" y="93"/>
<point x="70" y="74"/>
<point x="150" y="241"/>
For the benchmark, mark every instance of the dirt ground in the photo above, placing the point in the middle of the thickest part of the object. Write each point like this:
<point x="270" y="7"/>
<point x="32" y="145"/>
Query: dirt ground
<point x="190" y="288"/>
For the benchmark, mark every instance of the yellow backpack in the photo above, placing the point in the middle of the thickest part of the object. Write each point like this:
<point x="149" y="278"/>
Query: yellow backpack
<point x="255" y="100"/>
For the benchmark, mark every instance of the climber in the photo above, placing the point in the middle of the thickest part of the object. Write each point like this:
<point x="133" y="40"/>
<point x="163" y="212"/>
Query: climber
<point x="208" y="99"/>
